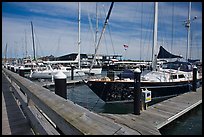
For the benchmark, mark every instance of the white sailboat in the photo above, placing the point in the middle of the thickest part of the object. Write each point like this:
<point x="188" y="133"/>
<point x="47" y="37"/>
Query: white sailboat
<point x="80" y="71"/>
<point x="96" y="70"/>
<point x="98" y="43"/>
<point x="176" y="68"/>
<point x="49" y="72"/>
<point x="28" y="65"/>
<point x="53" y="67"/>
<point x="172" y="79"/>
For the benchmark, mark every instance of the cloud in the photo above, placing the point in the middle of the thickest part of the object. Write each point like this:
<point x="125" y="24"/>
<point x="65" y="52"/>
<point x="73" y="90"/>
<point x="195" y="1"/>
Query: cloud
<point x="56" y="27"/>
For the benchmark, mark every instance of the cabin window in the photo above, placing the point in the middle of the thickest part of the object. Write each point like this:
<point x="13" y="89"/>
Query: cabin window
<point x="173" y="77"/>
<point x="181" y="76"/>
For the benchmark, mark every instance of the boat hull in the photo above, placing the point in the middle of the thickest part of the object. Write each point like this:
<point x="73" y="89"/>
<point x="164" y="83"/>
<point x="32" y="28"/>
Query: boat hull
<point x="96" y="71"/>
<point x="116" y="91"/>
<point x="50" y="74"/>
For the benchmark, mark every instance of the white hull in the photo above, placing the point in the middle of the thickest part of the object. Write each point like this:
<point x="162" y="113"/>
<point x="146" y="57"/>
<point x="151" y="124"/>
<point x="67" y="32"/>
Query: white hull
<point x="48" y="74"/>
<point x="96" y="71"/>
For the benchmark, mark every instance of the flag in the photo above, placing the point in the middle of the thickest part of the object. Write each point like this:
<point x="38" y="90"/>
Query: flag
<point x="125" y="46"/>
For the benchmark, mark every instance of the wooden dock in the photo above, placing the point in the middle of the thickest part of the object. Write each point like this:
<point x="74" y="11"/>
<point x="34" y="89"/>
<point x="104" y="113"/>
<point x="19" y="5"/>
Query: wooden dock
<point x="158" y="115"/>
<point x="13" y="120"/>
<point x="71" y="118"/>
<point x="66" y="117"/>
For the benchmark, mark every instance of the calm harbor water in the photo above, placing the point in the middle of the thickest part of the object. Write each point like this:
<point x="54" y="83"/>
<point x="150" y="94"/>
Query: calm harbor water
<point x="188" y="124"/>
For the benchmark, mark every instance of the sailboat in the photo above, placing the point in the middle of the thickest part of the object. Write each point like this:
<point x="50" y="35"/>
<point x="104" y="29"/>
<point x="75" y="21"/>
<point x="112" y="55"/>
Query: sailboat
<point x="49" y="72"/>
<point x="171" y="79"/>
<point x="93" y="69"/>
<point x="28" y="65"/>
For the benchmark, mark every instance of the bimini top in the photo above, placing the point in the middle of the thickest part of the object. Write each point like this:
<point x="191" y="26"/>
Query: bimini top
<point x="182" y="66"/>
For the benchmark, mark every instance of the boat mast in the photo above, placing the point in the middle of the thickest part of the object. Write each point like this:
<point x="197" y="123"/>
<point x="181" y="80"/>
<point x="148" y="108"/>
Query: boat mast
<point x="79" y="38"/>
<point x="96" y="26"/>
<point x="5" y="54"/>
<point x="188" y="31"/>
<point x="33" y="41"/>
<point x="154" y="56"/>
<point x="103" y="30"/>
<point x="26" y="45"/>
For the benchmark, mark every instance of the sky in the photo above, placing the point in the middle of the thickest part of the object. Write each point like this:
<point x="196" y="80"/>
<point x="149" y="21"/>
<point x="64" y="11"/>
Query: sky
<point x="55" y="26"/>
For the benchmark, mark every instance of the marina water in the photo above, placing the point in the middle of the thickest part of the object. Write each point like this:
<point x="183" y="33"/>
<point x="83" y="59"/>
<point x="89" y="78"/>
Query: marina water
<point x="188" y="124"/>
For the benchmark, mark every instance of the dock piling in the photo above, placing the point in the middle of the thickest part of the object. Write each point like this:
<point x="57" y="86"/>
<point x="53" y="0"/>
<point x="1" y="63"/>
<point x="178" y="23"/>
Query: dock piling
<point x="72" y="72"/>
<point x="60" y="84"/>
<point x="194" y="84"/>
<point x="137" y="91"/>
<point x="21" y="72"/>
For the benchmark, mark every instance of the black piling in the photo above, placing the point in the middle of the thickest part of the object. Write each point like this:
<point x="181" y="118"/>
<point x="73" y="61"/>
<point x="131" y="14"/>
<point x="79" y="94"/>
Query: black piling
<point x="12" y="68"/>
<point x="194" y="84"/>
<point x="137" y="91"/>
<point x="72" y="72"/>
<point x="61" y="84"/>
<point x="21" y="72"/>
<point x="110" y="74"/>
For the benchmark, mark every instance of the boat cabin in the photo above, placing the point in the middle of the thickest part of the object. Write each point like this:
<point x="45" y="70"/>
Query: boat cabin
<point x="178" y="65"/>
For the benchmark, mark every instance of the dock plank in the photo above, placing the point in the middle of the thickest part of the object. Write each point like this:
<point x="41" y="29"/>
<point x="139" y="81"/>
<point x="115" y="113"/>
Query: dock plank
<point x="158" y="115"/>
<point x="136" y="124"/>
<point x="13" y="120"/>
<point x="139" y="125"/>
<point x="167" y="108"/>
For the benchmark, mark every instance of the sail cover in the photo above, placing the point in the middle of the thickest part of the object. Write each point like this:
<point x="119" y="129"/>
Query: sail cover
<point x="126" y="74"/>
<point x="193" y="60"/>
<point x="165" y="54"/>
